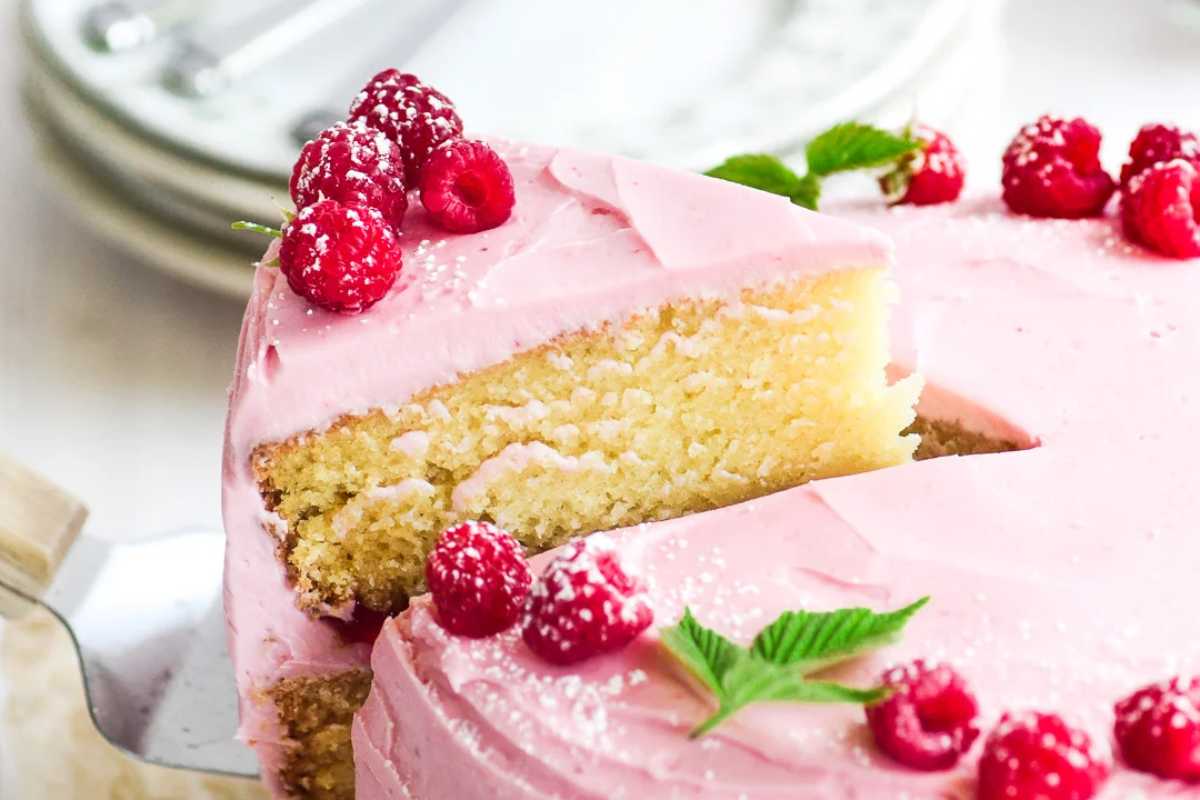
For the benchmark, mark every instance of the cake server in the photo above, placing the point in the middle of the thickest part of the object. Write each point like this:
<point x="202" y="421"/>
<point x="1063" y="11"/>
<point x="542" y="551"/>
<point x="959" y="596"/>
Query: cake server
<point x="145" y="618"/>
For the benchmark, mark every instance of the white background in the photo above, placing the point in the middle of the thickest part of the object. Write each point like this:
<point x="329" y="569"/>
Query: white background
<point x="112" y="377"/>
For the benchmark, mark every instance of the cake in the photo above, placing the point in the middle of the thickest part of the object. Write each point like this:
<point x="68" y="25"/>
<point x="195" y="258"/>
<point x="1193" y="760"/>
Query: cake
<point x="1061" y="566"/>
<point x="634" y="344"/>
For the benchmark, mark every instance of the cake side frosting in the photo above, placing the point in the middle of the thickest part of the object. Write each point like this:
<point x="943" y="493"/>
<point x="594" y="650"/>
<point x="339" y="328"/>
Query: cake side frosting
<point x="1060" y="574"/>
<point x="592" y="239"/>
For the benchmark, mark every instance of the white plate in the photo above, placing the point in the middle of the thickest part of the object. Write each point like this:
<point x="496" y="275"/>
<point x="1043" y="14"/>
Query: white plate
<point x="679" y="81"/>
<point x="198" y="259"/>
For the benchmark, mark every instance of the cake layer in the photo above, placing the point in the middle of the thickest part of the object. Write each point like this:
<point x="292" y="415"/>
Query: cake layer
<point x="1061" y="574"/>
<point x="693" y="406"/>
<point x="596" y="248"/>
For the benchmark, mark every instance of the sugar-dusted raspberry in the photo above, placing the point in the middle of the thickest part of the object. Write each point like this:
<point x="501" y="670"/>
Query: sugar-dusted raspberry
<point x="467" y="187"/>
<point x="415" y="115"/>
<point x="1052" y="169"/>
<point x="1157" y="143"/>
<point x="584" y="604"/>
<point x="341" y="257"/>
<point x="479" y="579"/>
<point x="928" y="721"/>
<point x="1036" y="756"/>
<point x="1158" y="729"/>
<point x="351" y="163"/>
<point x="1161" y="208"/>
<point x="933" y="174"/>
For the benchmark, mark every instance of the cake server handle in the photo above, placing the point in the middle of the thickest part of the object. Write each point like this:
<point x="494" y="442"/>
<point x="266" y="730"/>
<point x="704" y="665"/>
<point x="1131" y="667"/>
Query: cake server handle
<point x="38" y="524"/>
<point x="146" y="620"/>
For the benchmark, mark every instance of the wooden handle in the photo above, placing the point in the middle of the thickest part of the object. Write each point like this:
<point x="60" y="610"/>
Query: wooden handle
<point x="38" y="523"/>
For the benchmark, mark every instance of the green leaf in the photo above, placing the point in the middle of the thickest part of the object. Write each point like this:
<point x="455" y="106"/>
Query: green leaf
<point x="254" y="227"/>
<point x="808" y="192"/>
<point x="758" y="171"/>
<point x="768" y="173"/>
<point x="848" y="146"/>
<point x="752" y="680"/>
<point x="707" y="654"/>
<point x="853" y="145"/>
<point x="810" y="641"/>
<point x="774" y="668"/>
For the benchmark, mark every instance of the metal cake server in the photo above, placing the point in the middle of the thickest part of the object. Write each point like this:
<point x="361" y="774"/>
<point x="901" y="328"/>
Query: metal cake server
<point x="146" y="620"/>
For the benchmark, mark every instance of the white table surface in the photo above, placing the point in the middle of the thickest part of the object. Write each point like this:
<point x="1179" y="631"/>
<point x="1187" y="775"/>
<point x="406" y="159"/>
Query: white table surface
<point x="113" y="377"/>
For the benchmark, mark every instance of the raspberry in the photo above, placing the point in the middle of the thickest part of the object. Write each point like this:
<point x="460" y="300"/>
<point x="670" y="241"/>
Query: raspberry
<point x="1158" y="729"/>
<point x="932" y="174"/>
<point x="363" y="626"/>
<point x="1052" y="169"/>
<point x="928" y="721"/>
<point x="466" y="187"/>
<point x="351" y="164"/>
<point x="1161" y="208"/>
<point x="1157" y="143"/>
<point x="479" y="579"/>
<point x="343" y="258"/>
<point x="584" y="604"/>
<point x="416" y="116"/>
<point x="1035" y="756"/>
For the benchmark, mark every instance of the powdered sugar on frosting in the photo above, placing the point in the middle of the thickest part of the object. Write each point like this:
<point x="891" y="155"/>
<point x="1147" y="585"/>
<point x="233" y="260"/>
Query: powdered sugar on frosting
<point x="1061" y="575"/>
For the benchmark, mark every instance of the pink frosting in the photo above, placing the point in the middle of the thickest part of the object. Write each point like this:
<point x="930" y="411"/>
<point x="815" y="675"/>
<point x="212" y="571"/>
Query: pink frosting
<point x="1063" y="575"/>
<point x="592" y="239"/>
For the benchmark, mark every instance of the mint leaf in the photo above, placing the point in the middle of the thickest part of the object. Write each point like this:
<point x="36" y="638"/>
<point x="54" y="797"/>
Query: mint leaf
<point x="808" y="192"/>
<point x="813" y="640"/>
<point x="750" y="680"/>
<point x="774" y="668"/>
<point x="828" y="692"/>
<point x="707" y="654"/>
<point x="768" y="173"/>
<point x="758" y="171"/>
<point x="853" y="145"/>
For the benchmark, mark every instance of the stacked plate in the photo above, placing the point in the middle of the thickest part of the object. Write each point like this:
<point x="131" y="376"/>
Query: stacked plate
<point x="167" y="119"/>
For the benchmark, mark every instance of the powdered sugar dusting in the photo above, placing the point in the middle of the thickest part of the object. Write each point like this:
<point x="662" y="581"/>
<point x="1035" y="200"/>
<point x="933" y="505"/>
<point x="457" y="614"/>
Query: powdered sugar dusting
<point x="585" y="604"/>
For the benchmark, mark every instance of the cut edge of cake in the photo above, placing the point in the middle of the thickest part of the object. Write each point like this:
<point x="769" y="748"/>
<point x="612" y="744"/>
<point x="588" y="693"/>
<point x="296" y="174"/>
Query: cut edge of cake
<point x="695" y="405"/>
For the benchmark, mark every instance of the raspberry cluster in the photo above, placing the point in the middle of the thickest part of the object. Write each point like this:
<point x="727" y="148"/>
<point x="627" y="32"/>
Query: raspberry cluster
<point x="928" y="721"/>
<point x="583" y="605"/>
<point x="1052" y="169"/>
<point x="400" y="135"/>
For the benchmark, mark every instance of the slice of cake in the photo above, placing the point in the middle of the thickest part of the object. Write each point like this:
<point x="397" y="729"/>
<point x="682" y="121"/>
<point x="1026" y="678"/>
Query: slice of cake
<point x="632" y="344"/>
<point x="1061" y="574"/>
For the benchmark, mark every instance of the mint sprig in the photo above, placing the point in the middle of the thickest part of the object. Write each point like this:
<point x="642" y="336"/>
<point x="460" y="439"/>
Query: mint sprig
<point x="844" y="147"/>
<point x="777" y="664"/>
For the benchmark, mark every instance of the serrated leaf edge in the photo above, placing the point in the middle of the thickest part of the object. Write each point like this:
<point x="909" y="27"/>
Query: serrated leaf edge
<point x="771" y="681"/>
